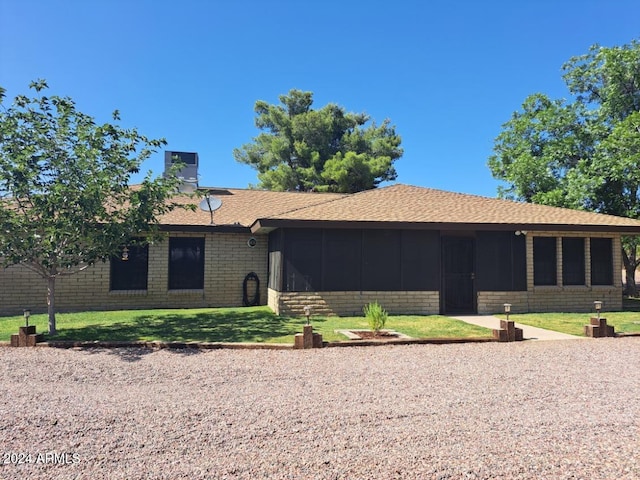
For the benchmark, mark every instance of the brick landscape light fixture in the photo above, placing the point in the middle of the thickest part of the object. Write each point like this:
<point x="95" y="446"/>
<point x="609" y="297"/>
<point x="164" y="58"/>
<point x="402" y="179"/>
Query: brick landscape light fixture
<point x="507" y="309"/>
<point x="598" y="306"/>
<point x="27" y="314"/>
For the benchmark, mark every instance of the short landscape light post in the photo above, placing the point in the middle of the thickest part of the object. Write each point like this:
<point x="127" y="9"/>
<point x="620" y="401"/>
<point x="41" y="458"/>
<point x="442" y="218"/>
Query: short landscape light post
<point x="307" y="339"/>
<point x="597" y="326"/>
<point x="26" y="336"/>
<point x="598" y="306"/>
<point x="507" y="309"/>
<point x="508" y="331"/>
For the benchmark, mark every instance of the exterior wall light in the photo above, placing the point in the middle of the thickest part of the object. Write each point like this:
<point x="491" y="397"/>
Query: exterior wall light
<point x="598" y="305"/>
<point x="125" y="254"/>
<point x="507" y="309"/>
<point x="27" y="314"/>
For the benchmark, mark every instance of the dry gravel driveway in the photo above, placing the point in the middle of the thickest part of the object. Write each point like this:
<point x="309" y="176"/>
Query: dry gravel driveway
<point x="532" y="410"/>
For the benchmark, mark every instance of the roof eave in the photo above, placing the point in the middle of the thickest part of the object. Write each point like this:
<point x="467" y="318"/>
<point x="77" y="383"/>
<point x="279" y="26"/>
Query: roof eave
<point x="265" y="225"/>
<point x="206" y="228"/>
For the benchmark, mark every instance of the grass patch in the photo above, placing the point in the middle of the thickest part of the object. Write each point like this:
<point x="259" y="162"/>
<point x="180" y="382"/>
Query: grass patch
<point x="573" y="323"/>
<point x="248" y="324"/>
<point x="416" y="326"/>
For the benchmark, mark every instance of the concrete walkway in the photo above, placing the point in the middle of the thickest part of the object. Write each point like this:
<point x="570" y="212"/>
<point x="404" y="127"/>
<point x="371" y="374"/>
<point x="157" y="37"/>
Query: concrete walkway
<point x="528" y="333"/>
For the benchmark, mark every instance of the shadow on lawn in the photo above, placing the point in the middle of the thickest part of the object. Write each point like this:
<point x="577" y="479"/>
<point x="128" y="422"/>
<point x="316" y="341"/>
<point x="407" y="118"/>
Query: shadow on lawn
<point x="200" y="327"/>
<point x="631" y="304"/>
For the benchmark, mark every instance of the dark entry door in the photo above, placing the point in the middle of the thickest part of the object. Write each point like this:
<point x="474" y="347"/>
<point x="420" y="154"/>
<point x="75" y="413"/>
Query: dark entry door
<point x="458" y="277"/>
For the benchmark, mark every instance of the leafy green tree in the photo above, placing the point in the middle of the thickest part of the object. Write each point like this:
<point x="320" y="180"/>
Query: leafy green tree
<point x="584" y="152"/>
<point x="323" y="150"/>
<point x="65" y="198"/>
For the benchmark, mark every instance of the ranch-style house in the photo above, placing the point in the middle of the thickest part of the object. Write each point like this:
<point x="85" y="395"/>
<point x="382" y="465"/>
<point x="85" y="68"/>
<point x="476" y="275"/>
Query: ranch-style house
<point x="415" y="250"/>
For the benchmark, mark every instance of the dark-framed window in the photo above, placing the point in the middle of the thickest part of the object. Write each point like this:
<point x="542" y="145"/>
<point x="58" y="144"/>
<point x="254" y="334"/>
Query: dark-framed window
<point x="132" y="273"/>
<point x="420" y="259"/>
<point x="381" y="264"/>
<point x="572" y="261"/>
<point x="186" y="263"/>
<point x="303" y="265"/>
<point x="501" y="261"/>
<point x="544" y="261"/>
<point x="342" y="260"/>
<point x="601" y="261"/>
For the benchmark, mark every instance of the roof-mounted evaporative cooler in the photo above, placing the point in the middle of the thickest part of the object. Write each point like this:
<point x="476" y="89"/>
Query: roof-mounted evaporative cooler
<point x="189" y="171"/>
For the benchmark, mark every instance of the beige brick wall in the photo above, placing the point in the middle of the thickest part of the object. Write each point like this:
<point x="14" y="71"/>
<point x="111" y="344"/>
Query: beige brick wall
<point x="551" y="299"/>
<point x="574" y="299"/>
<point x="228" y="259"/>
<point x="351" y="303"/>
<point x="493" y="302"/>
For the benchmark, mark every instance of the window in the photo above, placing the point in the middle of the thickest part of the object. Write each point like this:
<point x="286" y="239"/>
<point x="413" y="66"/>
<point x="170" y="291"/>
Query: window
<point x="381" y="260"/>
<point x="601" y="261"/>
<point x="186" y="263"/>
<point x="501" y="263"/>
<point x="303" y="265"/>
<point x="573" y="261"/>
<point x="342" y="260"/>
<point x="544" y="261"/>
<point x="132" y="273"/>
<point x="420" y="259"/>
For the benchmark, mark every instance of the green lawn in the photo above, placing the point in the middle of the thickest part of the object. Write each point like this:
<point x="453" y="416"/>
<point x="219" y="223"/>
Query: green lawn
<point x="573" y="323"/>
<point x="249" y="324"/>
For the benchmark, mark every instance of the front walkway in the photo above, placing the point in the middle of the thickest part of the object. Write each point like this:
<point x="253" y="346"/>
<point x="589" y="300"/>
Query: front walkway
<point x="528" y="333"/>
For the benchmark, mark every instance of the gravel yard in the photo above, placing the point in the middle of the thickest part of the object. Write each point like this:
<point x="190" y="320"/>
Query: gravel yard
<point x="531" y="410"/>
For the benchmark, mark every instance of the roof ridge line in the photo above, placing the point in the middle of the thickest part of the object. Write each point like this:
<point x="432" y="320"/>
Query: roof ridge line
<point x="342" y="197"/>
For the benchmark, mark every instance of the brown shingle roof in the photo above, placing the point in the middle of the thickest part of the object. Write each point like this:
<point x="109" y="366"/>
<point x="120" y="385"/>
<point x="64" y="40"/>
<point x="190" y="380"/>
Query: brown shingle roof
<point x="399" y="205"/>
<point x="405" y="204"/>
<point x="242" y="207"/>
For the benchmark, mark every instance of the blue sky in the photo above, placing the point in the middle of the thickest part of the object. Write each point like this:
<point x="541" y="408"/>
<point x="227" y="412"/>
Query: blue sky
<point x="447" y="73"/>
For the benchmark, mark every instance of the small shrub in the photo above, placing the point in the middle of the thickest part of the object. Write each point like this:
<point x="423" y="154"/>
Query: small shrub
<point x="376" y="316"/>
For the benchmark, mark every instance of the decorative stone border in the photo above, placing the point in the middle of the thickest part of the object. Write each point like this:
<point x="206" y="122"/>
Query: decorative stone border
<point x="255" y="346"/>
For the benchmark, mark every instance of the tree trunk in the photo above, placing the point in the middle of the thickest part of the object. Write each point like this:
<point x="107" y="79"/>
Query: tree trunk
<point x="630" y="265"/>
<point x="632" y="288"/>
<point x="51" y="304"/>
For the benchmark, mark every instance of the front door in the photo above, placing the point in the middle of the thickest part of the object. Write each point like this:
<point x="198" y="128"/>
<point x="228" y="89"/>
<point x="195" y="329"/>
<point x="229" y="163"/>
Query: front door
<point x="458" y="277"/>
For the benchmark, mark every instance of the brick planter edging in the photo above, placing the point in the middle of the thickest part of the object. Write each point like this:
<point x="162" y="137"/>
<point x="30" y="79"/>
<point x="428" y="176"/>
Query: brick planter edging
<point x="413" y="341"/>
<point x="169" y="345"/>
<point x="246" y="346"/>
<point x="267" y="346"/>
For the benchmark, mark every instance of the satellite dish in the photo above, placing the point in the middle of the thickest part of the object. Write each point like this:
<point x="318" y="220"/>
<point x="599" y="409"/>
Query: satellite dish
<point x="210" y="204"/>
